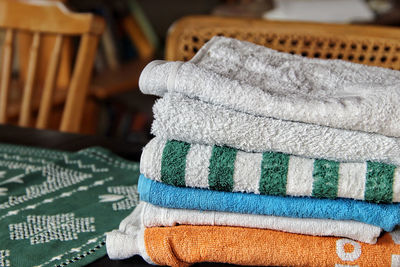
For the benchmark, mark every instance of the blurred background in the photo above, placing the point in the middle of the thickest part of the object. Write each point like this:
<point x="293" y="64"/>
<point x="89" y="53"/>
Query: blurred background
<point x="135" y="34"/>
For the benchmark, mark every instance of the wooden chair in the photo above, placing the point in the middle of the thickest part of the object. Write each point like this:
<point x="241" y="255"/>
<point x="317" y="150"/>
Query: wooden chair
<point x="371" y="45"/>
<point x="47" y="18"/>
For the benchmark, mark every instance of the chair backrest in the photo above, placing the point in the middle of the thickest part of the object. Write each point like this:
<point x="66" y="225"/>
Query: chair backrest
<point x="371" y="45"/>
<point x="48" y="18"/>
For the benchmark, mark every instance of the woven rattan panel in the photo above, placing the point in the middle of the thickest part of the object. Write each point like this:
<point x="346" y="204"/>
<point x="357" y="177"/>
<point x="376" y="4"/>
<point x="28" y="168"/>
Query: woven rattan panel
<point x="378" y="46"/>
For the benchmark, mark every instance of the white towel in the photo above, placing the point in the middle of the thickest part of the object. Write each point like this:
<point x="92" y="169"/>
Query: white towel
<point x="154" y="216"/>
<point x="128" y="240"/>
<point x="260" y="81"/>
<point x="180" y="118"/>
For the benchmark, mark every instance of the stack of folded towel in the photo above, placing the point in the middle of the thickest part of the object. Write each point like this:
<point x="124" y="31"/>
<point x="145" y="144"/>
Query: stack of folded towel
<point x="267" y="158"/>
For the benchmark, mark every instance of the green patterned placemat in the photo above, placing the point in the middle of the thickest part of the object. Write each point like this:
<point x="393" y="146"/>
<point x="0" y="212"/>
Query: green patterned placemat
<point x="55" y="207"/>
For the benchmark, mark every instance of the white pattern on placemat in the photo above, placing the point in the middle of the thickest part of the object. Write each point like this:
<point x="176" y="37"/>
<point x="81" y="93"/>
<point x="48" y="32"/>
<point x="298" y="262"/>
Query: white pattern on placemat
<point x="46" y="228"/>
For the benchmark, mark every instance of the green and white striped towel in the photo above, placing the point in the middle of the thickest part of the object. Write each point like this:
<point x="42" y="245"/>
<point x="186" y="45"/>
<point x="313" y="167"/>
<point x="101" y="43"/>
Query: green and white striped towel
<point x="271" y="173"/>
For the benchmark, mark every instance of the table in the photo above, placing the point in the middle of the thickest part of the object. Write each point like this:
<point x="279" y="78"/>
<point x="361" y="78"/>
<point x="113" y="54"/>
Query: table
<point x="67" y="141"/>
<point x="74" y="142"/>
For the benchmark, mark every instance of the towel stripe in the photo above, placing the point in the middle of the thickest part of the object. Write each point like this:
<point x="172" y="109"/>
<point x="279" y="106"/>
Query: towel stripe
<point x="396" y="185"/>
<point x="274" y="170"/>
<point x="173" y="163"/>
<point x="326" y="176"/>
<point x="197" y="171"/>
<point x="222" y="166"/>
<point x="246" y="176"/>
<point x="300" y="179"/>
<point x="151" y="158"/>
<point x="379" y="184"/>
<point x="352" y="180"/>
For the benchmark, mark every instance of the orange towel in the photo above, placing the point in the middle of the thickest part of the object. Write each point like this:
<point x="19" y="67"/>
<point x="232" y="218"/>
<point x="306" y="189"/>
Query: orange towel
<point x="185" y="244"/>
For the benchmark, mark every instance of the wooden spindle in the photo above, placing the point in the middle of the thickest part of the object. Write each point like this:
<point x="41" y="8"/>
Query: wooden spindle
<point x="6" y="72"/>
<point x="73" y="110"/>
<point x="24" y="118"/>
<point x="49" y="84"/>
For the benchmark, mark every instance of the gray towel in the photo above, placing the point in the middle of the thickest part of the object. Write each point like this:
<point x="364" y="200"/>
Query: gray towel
<point x="254" y="79"/>
<point x="177" y="117"/>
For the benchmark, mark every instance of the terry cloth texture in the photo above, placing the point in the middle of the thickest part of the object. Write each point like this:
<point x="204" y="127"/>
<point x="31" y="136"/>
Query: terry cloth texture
<point x="186" y="244"/>
<point x="153" y="216"/>
<point x="386" y="216"/>
<point x="180" y="118"/>
<point x="260" y="81"/>
<point x="270" y="173"/>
